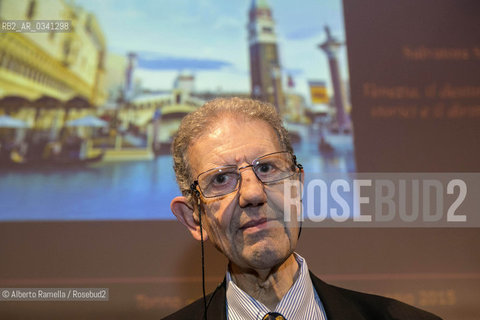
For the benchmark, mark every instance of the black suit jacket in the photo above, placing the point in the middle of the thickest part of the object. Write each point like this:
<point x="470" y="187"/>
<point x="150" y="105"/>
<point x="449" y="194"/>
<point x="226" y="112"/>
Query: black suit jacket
<point x="339" y="304"/>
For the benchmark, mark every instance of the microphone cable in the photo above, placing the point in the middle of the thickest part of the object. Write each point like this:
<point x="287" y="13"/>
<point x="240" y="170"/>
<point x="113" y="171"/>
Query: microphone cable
<point x="203" y="256"/>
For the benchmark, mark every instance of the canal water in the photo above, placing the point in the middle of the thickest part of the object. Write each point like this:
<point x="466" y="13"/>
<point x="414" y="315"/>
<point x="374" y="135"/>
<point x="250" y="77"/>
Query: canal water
<point x="139" y="190"/>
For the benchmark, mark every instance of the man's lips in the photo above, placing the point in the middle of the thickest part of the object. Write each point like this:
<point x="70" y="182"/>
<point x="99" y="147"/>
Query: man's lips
<point x="254" y="225"/>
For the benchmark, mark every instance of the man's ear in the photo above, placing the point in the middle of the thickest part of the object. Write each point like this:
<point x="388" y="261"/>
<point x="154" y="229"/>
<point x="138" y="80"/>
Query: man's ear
<point x="184" y="212"/>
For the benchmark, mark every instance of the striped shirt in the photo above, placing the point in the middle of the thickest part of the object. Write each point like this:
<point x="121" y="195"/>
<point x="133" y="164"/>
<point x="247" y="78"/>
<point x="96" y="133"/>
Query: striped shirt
<point x="299" y="303"/>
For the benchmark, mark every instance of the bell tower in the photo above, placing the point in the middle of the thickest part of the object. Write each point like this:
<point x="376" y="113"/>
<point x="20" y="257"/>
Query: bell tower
<point x="265" y="71"/>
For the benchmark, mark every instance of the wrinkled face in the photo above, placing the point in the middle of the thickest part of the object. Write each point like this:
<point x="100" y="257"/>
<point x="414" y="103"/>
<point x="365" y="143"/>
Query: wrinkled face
<point x="247" y="225"/>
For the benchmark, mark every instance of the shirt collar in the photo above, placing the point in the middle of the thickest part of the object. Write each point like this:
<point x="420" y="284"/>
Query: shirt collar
<point x="298" y="303"/>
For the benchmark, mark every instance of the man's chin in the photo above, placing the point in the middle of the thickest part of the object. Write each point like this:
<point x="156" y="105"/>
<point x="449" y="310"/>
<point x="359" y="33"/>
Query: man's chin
<point x="263" y="257"/>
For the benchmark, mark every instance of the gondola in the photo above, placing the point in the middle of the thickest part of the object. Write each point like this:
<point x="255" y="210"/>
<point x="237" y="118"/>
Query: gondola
<point x="57" y="162"/>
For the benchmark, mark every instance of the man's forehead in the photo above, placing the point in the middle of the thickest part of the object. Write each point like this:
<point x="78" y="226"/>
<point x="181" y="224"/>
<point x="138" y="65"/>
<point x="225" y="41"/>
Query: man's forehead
<point x="232" y="127"/>
<point x="215" y="133"/>
<point x="232" y="141"/>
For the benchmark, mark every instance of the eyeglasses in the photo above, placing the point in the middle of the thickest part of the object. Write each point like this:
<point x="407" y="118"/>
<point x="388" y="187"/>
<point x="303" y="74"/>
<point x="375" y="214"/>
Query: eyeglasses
<point x="270" y="168"/>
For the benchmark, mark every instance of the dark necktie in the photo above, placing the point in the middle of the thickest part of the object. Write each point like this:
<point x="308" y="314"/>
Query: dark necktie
<point x="273" y="316"/>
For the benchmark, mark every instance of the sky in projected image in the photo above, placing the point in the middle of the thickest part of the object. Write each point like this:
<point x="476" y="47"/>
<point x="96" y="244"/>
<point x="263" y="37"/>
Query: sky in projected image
<point x="209" y="39"/>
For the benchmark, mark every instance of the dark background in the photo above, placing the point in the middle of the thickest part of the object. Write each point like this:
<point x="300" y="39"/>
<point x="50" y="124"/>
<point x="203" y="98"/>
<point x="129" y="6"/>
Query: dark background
<point x="152" y="268"/>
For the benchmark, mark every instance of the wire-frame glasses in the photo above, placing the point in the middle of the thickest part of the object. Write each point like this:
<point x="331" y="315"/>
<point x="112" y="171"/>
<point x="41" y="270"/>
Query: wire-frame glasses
<point x="269" y="168"/>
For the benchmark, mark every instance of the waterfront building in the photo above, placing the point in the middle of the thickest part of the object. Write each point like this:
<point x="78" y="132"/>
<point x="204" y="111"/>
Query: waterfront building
<point x="48" y="78"/>
<point x="145" y="121"/>
<point x="295" y="106"/>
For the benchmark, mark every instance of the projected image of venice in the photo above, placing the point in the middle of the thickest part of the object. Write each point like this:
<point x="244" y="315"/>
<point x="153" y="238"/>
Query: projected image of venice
<point x="87" y="117"/>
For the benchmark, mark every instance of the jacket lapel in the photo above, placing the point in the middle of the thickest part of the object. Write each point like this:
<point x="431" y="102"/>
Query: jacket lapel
<point x="336" y="305"/>
<point x="216" y="303"/>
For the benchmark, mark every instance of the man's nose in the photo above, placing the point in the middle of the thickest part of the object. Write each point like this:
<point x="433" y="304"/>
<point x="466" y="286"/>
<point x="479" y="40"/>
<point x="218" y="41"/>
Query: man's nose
<point x="252" y="192"/>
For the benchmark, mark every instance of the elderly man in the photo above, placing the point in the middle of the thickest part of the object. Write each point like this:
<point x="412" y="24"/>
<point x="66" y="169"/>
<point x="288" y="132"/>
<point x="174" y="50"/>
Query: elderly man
<point x="232" y="158"/>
